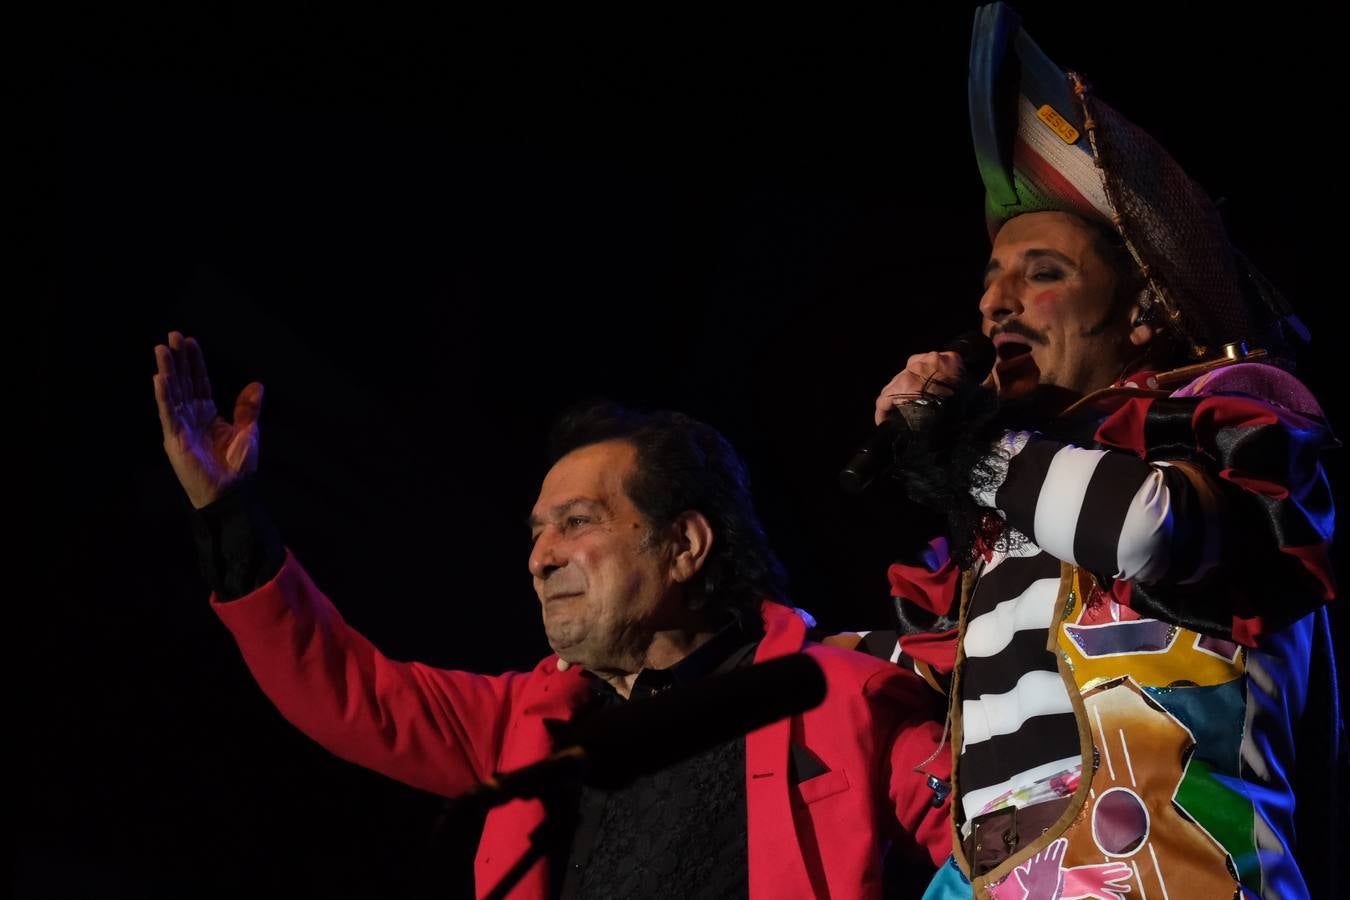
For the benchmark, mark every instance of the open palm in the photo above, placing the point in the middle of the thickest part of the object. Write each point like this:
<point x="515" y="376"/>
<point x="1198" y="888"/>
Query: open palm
<point x="207" y="453"/>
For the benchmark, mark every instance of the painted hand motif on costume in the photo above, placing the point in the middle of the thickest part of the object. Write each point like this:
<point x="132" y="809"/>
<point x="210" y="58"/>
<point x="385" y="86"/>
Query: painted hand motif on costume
<point x="1043" y="877"/>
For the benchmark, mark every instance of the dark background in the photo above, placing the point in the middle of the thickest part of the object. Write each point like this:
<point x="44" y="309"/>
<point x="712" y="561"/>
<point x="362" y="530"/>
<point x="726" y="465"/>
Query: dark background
<point x="427" y="235"/>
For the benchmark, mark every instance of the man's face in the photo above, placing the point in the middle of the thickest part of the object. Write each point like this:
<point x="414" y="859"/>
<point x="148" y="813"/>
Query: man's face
<point x="1050" y="306"/>
<point x="604" y="580"/>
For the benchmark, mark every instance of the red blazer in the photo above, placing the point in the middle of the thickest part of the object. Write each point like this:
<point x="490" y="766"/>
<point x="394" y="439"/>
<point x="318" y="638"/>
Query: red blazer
<point x="443" y="731"/>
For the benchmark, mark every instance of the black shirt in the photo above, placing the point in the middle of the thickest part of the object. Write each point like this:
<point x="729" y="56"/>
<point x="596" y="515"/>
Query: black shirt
<point x="680" y="832"/>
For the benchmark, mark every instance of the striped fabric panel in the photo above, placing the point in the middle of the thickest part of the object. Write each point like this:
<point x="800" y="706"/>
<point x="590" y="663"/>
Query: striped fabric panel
<point x="1009" y="574"/>
<point x="980" y="677"/>
<point x="1021" y="488"/>
<point x="1064" y="487"/>
<point x="1124" y="528"/>
<point x="1107" y="511"/>
<point x="1039" y="692"/>
<point x="1016" y="712"/>
<point x="988" y="635"/>
<point x="1052" y="172"/>
<point x="1042" y="740"/>
<point x="1011" y="761"/>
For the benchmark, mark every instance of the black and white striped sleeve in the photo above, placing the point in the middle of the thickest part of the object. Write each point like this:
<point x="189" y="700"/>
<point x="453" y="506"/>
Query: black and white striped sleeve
<point x="1106" y="510"/>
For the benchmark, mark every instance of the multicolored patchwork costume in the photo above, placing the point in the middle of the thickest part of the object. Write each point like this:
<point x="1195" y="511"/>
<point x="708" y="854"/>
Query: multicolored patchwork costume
<point x="1185" y="676"/>
<point x="1137" y="733"/>
<point x="1133" y="653"/>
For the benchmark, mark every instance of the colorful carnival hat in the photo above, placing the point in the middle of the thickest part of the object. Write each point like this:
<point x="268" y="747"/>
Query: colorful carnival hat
<point x="1043" y="141"/>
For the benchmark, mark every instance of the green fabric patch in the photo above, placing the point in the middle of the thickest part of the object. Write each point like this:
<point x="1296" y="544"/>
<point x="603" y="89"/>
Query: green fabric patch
<point x="1226" y="815"/>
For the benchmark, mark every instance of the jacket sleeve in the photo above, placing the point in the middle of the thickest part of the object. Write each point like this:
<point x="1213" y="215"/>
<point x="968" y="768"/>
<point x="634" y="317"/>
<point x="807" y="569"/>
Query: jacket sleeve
<point x="912" y="720"/>
<point x="1208" y="508"/>
<point x="434" y="729"/>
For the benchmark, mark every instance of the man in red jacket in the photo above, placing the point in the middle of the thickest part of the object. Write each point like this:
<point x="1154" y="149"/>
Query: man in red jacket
<point x="652" y="572"/>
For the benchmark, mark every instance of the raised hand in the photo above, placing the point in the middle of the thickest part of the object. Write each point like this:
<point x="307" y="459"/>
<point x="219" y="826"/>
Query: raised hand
<point x="207" y="453"/>
<point x="926" y="375"/>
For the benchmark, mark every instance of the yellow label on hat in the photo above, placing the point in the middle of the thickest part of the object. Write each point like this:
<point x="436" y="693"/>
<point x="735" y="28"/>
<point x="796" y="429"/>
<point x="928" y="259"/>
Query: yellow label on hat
<point x="1058" y="124"/>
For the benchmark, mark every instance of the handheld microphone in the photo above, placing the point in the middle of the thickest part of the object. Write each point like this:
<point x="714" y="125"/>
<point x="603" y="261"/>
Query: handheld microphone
<point x="881" y="450"/>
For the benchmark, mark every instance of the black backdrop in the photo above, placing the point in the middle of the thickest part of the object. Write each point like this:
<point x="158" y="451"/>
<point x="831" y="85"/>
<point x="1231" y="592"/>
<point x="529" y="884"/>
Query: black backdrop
<point x="428" y="234"/>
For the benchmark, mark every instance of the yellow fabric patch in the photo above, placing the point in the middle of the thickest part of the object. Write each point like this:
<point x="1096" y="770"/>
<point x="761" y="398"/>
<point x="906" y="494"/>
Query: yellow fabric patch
<point x="1058" y="124"/>
<point x="1185" y="661"/>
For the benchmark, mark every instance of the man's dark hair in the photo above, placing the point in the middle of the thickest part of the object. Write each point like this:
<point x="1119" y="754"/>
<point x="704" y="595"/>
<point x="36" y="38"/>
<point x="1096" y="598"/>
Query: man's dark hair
<point x="1170" y="346"/>
<point x="683" y="464"/>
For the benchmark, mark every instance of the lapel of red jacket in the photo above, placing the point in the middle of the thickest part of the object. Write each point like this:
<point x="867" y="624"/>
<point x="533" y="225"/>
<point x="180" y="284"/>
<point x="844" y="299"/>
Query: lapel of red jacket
<point x="775" y="856"/>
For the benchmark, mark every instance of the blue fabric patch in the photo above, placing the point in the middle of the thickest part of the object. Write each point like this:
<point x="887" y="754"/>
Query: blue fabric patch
<point x="1215" y="715"/>
<point x="949" y="884"/>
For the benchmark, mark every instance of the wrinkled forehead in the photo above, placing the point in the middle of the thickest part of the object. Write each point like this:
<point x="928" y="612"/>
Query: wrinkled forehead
<point x="596" y="473"/>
